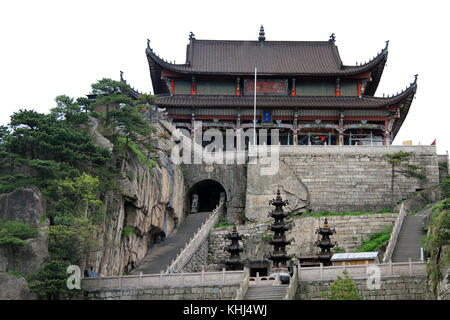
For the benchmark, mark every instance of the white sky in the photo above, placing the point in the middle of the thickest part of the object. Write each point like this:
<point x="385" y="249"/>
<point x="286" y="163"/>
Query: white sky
<point x="48" y="48"/>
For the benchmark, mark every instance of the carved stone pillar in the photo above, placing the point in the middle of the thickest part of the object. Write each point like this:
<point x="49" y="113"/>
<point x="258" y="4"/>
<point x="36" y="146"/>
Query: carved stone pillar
<point x="294" y="129"/>
<point x="341" y="128"/>
<point x="238" y="133"/>
<point x="222" y="197"/>
<point x="194" y="206"/>
<point x="192" y="125"/>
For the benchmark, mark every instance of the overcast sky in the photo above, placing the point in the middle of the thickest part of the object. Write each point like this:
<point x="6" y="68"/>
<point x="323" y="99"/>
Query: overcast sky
<point x="50" y="48"/>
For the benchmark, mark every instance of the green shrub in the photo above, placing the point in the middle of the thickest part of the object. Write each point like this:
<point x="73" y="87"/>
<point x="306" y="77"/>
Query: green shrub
<point x="222" y="222"/>
<point x="72" y="242"/>
<point x="15" y="273"/>
<point x="445" y="187"/>
<point x="13" y="234"/>
<point x="343" y="289"/>
<point x="150" y="163"/>
<point x="437" y="241"/>
<point x="375" y="241"/>
<point x="127" y="232"/>
<point x="50" y="281"/>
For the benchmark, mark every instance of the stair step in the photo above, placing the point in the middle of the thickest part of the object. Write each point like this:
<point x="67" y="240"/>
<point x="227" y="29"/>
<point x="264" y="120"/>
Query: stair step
<point x="266" y="292"/>
<point x="408" y="241"/>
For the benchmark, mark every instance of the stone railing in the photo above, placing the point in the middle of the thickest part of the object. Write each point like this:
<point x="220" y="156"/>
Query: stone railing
<point x="395" y="233"/>
<point x="264" y="280"/>
<point x="399" y="269"/>
<point x="242" y="291"/>
<point x="165" y="280"/>
<point x="196" y="241"/>
<point x="293" y="284"/>
<point x="357" y="149"/>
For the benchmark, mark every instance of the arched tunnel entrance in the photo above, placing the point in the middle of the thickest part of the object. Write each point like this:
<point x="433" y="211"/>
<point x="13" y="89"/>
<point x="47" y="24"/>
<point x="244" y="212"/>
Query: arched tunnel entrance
<point x="204" y="196"/>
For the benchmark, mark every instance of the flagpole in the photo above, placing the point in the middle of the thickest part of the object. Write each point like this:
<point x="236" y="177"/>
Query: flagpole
<point x="254" y="113"/>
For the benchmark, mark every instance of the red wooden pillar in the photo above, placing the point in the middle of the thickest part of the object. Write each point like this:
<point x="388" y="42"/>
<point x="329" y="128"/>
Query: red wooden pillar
<point x="238" y="86"/>
<point x="293" y="87"/>
<point x="193" y="86"/>
<point x="359" y="88"/>
<point x="172" y="86"/>
<point x="338" y="87"/>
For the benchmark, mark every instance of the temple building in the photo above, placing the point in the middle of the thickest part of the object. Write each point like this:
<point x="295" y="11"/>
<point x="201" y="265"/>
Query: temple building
<point x="302" y="88"/>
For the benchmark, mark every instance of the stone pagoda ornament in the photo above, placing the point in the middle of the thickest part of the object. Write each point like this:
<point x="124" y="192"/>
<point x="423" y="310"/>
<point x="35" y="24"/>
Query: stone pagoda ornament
<point x="234" y="262"/>
<point x="325" y="244"/>
<point x="279" y="227"/>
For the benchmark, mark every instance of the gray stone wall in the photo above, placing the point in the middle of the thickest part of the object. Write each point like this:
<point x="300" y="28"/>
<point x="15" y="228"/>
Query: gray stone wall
<point x="222" y="292"/>
<point x="399" y="288"/>
<point x="350" y="232"/>
<point x="232" y="177"/>
<point x="337" y="178"/>
<point x="199" y="259"/>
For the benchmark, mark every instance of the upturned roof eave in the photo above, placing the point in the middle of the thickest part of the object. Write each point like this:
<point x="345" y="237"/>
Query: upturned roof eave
<point x="288" y="101"/>
<point x="346" y="70"/>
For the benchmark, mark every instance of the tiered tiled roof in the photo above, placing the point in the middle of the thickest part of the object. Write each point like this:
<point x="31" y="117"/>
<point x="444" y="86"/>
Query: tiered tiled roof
<point x="285" y="101"/>
<point x="271" y="58"/>
<point x="279" y="58"/>
<point x="303" y="60"/>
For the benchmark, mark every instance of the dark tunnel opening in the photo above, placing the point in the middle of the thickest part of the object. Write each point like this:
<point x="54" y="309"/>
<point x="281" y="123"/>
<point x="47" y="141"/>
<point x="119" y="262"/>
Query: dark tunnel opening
<point x="207" y="193"/>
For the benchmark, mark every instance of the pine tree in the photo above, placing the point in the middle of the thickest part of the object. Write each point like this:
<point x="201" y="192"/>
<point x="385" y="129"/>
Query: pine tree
<point x="399" y="162"/>
<point x="343" y="289"/>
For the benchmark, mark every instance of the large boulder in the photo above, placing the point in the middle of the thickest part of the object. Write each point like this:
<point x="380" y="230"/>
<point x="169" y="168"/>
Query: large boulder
<point x="25" y="205"/>
<point x="14" y="288"/>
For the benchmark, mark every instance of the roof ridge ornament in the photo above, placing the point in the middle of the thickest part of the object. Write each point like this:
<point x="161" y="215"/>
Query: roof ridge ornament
<point x="387" y="44"/>
<point x="332" y="37"/>
<point x="148" y="43"/>
<point x="262" y="35"/>
<point x="191" y="36"/>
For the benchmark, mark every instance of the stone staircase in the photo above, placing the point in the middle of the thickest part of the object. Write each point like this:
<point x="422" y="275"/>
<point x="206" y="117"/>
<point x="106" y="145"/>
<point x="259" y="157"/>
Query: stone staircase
<point x="408" y="242"/>
<point x="266" y="292"/>
<point x="160" y="255"/>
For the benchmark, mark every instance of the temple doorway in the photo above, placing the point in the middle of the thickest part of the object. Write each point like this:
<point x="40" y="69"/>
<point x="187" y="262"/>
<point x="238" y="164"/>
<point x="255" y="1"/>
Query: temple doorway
<point x="205" y="195"/>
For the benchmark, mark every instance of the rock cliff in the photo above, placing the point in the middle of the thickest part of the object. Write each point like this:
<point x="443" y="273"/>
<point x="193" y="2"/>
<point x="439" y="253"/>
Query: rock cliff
<point x="148" y="202"/>
<point x="14" y="288"/>
<point x="25" y="205"/>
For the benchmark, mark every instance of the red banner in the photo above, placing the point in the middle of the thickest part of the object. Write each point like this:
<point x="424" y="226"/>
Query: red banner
<point x="276" y="87"/>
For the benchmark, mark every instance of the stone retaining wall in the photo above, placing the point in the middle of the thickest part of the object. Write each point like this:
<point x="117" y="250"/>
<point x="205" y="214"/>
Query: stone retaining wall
<point x="232" y="177"/>
<point x="222" y="292"/>
<point x="350" y="230"/>
<point x="198" y="259"/>
<point x="339" y="179"/>
<point x="399" y="288"/>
